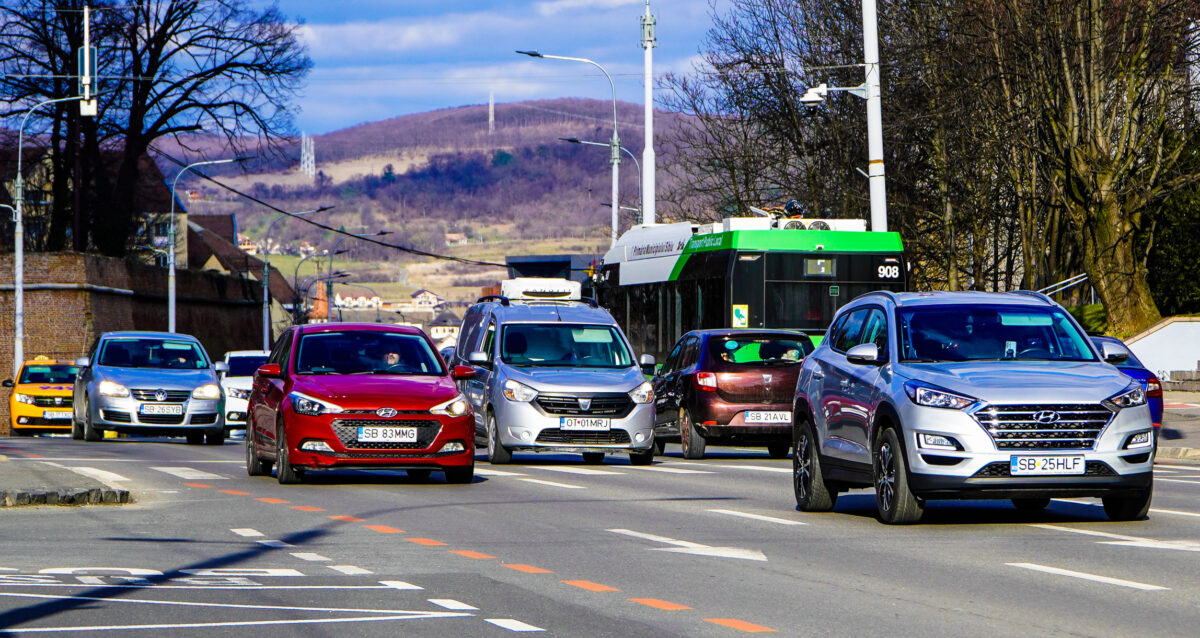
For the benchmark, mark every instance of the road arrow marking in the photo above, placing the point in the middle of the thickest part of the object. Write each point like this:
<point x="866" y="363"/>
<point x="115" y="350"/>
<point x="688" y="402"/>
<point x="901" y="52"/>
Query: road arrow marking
<point x="688" y="547"/>
<point x="1129" y="541"/>
<point x="189" y="473"/>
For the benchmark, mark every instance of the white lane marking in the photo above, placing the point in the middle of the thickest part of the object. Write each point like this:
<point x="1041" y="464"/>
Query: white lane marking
<point x="512" y="625"/>
<point x="1129" y="541"/>
<point x="1092" y="577"/>
<point x="309" y="556"/>
<point x="399" y="584"/>
<point x="553" y="484"/>
<point x="1172" y="480"/>
<point x="1176" y="467"/>
<point x="483" y="471"/>
<point x="189" y="473"/>
<point x="668" y="470"/>
<point x="230" y="587"/>
<point x="1087" y="532"/>
<point x="247" y="532"/>
<point x="100" y="475"/>
<point x="350" y="570"/>
<point x="758" y="517"/>
<point x="688" y="547"/>
<point x="1153" y="510"/>
<point x="758" y="468"/>
<point x="275" y="544"/>
<point x="450" y="603"/>
<point x="579" y="470"/>
<point x="182" y="603"/>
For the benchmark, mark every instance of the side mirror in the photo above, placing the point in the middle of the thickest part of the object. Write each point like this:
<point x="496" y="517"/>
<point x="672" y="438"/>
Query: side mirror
<point x="1114" y="353"/>
<point x="270" y="371"/>
<point x="864" y="354"/>
<point x="83" y="362"/>
<point x="478" y="357"/>
<point x="462" y="373"/>
<point x="221" y="368"/>
<point x="647" y="364"/>
<point x="7" y="383"/>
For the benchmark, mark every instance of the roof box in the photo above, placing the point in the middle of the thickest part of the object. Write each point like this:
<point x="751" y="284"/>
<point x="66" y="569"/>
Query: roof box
<point x="543" y="289"/>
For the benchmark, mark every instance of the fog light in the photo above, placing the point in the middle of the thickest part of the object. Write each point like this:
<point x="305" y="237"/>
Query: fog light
<point x="454" y="446"/>
<point x="315" y="446"/>
<point x="937" y="442"/>
<point x="1141" y="439"/>
<point x="525" y="435"/>
<point x="235" y="416"/>
<point x="639" y="437"/>
<point x="22" y="420"/>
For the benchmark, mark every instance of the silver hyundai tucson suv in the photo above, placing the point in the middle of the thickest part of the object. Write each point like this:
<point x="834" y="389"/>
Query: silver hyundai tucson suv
<point x="968" y="395"/>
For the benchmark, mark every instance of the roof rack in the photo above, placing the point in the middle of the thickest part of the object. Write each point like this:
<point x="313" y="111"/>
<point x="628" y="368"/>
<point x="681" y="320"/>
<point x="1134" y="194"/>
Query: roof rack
<point x="1035" y="294"/>
<point x="501" y="298"/>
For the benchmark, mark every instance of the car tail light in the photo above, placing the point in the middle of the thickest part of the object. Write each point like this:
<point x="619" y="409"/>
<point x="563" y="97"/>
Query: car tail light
<point x="1153" y="388"/>
<point x="705" y="381"/>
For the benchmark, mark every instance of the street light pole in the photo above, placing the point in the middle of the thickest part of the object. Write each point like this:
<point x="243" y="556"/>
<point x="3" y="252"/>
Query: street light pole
<point x="266" y="290"/>
<point x="615" y="155"/>
<point x="646" y="170"/>
<point x="171" y="238"/>
<point x="642" y="201"/>
<point x="19" y="237"/>
<point x="874" y="118"/>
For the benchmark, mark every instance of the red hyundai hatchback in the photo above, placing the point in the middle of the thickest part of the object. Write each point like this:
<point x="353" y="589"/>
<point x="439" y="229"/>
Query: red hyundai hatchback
<point x="358" y="396"/>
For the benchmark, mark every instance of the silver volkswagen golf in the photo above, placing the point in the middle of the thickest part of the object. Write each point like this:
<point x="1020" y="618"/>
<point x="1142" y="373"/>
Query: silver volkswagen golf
<point x="156" y="383"/>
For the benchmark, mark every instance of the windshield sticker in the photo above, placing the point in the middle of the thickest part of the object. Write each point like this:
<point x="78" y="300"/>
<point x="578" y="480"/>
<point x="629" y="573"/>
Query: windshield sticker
<point x="731" y="345"/>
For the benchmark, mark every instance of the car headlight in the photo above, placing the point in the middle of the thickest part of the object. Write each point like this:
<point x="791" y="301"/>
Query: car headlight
<point x="311" y="406"/>
<point x="112" y="389"/>
<point x="457" y="406"/>
<point x="933" y="397"/>
<point x="207" y="391"/>
<point x="643" y="393"/>
<point x="515" y="391"/>
<point x="237" y="393"/>
<point x="23" y="398"/>
<point x="1130" y="397"/>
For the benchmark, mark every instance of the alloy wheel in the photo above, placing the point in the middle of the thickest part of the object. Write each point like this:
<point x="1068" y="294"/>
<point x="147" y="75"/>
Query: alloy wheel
<point x="885" y="475"/>
<point x="802" y="466"/>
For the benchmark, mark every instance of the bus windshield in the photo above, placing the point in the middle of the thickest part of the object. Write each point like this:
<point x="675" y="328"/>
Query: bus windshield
<point x="564" y="345"/>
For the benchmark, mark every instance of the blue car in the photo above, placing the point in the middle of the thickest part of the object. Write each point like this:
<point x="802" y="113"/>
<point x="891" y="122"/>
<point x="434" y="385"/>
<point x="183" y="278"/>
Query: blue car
<point x="1135" y="369"/>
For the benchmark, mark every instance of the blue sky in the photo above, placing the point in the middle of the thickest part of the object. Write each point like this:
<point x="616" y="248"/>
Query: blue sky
<point x="375" y="59"/>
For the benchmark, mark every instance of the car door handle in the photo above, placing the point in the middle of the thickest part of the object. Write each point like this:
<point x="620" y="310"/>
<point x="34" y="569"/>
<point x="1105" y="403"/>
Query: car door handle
<point x="817" y="374"/>
<point x="845" y="384"/>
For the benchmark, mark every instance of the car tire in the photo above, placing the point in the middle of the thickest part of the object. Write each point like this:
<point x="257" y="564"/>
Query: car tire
<point x="76" y="425"/>
<point x="778" y="450"/>
<point x="894" y="498"/>
<point x="90" y="433"/>
<point x="215" y="436"/>
<point x="693" y="444"/>
<point x="496" y="452"/>
<point x="642" y="458"/>
<point x="593" y="458"/>
<point x="808" y="481"/>
<point x="660" y="446"/>
<point x="284" y="472"/>
<point x="1129" y="508"/>
<point x="461" y="475"/>
<point x="255" y="466"/>
<point x="195" y="438"/>
<point x="1031" y="504"/>
<point x="418" y="474"/>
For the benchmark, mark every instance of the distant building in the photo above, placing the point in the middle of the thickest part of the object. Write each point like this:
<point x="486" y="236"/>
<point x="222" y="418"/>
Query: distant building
<point x="455" y="239"/>
<point x="444" y="329"/>
<point x="247" y="245"/>
<point x="426" y="299"/>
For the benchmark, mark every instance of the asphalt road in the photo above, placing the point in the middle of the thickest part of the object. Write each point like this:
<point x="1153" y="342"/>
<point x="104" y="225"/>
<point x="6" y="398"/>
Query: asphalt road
<point x="681" y="548"/>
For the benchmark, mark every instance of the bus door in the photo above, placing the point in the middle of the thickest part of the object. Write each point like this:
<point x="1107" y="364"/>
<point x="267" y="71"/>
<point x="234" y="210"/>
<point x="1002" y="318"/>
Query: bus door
<point x="746" y="281"/>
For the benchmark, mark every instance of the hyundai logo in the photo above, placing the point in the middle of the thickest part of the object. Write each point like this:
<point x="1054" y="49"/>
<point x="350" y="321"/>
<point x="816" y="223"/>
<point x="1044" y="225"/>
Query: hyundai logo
<point x="160" y="395"/>
<point x="1046" y="417"/>
<point x="584" y="404"/>
<point x="386" y="413"/>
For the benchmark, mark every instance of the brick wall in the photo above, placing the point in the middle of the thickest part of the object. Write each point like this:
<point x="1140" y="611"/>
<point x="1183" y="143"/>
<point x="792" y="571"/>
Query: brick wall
<point x="223" y="312"/>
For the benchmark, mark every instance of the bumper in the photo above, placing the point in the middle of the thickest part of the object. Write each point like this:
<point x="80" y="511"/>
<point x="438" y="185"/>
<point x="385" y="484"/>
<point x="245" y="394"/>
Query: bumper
<point x="524" y="426"/>
<point x="125" y="415"/>
<point x="339" y="433"/>
<point x="31" y="418"/>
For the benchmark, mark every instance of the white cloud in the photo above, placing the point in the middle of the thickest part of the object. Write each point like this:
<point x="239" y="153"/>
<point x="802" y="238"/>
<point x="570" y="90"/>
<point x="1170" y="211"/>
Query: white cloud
<point x="554" y="7"/>
<point x="393" y="36"/>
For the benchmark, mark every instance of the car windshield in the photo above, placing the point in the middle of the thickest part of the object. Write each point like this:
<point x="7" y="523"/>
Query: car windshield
<point x="759" y="350"/>
<point x="245" y="365"/>
<point x="153" y="353"/>
<point x="989" y="332"/>
<point x="48" y="374"/>
<point x="366" y="352"/>
<point x="564" y="345"/>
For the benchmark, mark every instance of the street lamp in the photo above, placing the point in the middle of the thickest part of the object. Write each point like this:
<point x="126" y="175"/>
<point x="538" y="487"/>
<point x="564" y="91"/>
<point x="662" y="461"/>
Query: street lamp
<point x="19" y="236"/>
<point x="329" y="290"/>
<point x="638" y="166"/>
<point x="266" y="290"/>
<point x="309" y="281"/>
<point x="615" y="155"/>
<point x="171" y="237"/>
<point x="296" y="282"/>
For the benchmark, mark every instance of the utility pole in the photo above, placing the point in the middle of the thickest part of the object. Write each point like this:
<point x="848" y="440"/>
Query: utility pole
<point x="491" y="112"/>
<point x="648" y="43"/>
<point x="874" y="118"/>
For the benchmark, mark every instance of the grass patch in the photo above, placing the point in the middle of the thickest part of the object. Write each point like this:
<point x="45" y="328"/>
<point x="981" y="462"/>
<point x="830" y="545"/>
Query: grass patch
<point x="1091" y="316"/>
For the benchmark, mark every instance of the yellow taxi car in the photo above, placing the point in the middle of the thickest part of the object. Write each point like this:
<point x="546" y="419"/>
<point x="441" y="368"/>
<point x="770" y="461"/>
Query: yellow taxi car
<point x="41" y="397"/>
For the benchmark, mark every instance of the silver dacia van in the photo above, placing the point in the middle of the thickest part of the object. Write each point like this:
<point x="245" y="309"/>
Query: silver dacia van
<point x="554" y="372"/>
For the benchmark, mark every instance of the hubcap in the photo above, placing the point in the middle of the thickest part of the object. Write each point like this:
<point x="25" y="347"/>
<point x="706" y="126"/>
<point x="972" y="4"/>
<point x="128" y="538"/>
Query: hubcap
<point x="885" y="472"/>
<point x="685" y="432"/>
<point x="491" y="437"/>
<point x="800" y="462"/>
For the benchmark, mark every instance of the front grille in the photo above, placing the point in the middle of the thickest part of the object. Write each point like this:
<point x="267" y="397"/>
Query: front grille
<point x="1016" y="427"/>
<point x="204" y="419"/>
<point x="116" y="416"/>
<point x="1002" y="469"/>
<point x="347" y="432"/>
<point x="53" y="402"/>
<point x="616" y="405"/>
<point x="173" y="396"/>
<point x="612" y="437"/>
<point x="160" y="419"/>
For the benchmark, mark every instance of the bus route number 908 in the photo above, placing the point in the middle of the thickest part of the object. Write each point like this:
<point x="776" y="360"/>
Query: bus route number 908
<point x="888" y="272"/>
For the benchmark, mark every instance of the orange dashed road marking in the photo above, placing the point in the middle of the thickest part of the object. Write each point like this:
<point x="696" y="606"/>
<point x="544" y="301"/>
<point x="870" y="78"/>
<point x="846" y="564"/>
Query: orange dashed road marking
<point x="348" y="519"/>
<point x="425" y="541"/>
<point x="659" y="604"/>
<point x="197" y="484"/>
<point x="308" y="508"/>
<point x="271" y="500"/>
<point x="470" y="554"/>
<point x="740" y="625"/>
<point x="235" y="492"/>
<point x="528" y="569"/>
<point x="382" y="529"/>
<point x="589" y="585"/>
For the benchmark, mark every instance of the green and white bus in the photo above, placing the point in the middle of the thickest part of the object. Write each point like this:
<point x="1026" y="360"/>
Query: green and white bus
<point x="664" y="280"/>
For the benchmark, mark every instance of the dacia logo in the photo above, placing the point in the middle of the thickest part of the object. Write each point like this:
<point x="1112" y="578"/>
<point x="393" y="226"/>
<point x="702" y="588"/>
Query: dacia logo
<point x="57" y="400"/>
<point x="1046" y="417"/>
<point x="584" y="404"/>
<point x="386" y="413"/>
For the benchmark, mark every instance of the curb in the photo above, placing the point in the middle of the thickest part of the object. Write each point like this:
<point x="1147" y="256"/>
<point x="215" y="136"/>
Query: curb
<point x="68" y="496"/>
<point x="1179" y="454"/>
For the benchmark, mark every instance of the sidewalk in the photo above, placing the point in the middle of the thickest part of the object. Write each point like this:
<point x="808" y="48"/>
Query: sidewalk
<point x="1180" y="436"/>
<point x="28" y="482"/>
